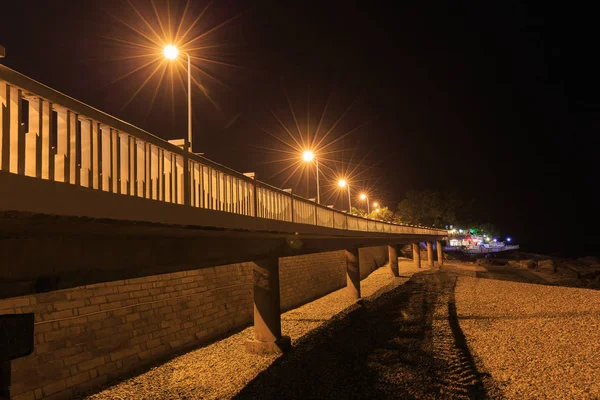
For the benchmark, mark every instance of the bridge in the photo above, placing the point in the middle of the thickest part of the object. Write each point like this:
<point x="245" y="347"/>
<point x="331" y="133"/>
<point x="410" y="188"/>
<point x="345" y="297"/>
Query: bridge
<point x="86" y="198"/>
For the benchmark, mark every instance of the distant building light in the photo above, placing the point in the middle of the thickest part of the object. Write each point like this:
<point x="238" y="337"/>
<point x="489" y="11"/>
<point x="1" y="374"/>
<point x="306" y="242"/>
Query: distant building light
<point x="460" y="231"/>
<point x="495" y="240"/>
<point x="508" y="239"/>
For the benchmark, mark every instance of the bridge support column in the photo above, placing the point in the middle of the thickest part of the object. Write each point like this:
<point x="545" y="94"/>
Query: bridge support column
<point x="267" y="310"/>
<point x="393" y="258"/>
<point x="352" y="273"/>
<point x="430" y="254"/>
<point x="416" y="255"/>
<point x="440" y="255"/>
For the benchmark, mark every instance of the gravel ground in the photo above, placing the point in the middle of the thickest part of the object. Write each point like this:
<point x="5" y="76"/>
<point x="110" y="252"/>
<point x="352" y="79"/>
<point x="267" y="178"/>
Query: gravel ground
<point x="403" y="344"/>
<point x="222" y="369"/>
<point x="536" y="341"/>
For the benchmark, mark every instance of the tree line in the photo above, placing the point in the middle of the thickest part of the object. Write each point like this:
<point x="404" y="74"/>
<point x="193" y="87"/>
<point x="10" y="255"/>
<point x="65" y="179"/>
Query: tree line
<point x="432" y="208"/>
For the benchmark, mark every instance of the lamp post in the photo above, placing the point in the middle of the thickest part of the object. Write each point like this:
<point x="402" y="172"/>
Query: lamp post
<point x="342" y="183"/>
<point x="308" y="156"/>
<point x="171" y="52"/>
<point x="364" y="196"/>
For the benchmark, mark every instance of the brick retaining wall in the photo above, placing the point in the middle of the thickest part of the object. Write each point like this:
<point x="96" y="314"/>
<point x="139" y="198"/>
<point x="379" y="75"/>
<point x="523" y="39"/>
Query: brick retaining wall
<point x="89" y="335"/>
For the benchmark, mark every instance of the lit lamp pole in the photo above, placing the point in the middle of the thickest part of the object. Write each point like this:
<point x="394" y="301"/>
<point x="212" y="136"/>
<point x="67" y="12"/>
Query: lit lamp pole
<point x="171" y="52"/>
<point x="364" y="196"/>
<point x="342" y="183"/>
<point x="308" y="156"/>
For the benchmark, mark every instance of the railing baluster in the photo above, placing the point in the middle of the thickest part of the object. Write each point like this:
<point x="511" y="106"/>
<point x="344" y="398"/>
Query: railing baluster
<point x="86" y="153"/>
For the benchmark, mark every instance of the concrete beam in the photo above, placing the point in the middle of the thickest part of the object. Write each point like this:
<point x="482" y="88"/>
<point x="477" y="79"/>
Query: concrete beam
<point x="23" y="194"/>
<point x="416" y="254"/>
<point x="393" y="260"/>
<point x="352" y="273"/>
<point x="430" y="254"/>
<point x="267" y="310"/>
<point x="72" y="251"/>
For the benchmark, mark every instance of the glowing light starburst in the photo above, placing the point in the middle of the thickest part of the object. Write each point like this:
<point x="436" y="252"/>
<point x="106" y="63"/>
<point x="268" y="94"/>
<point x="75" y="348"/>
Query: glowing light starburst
<point x="171" y="52"/>
<point x="148" y="38"/>
<point x="303" y="139"/>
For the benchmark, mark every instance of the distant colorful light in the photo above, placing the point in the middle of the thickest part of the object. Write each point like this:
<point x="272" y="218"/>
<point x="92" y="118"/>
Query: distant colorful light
<point x="508" y="239"/>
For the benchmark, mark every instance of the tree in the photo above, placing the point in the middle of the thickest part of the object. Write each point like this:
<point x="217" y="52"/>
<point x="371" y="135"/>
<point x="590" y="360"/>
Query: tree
<point x="384" y="214"/>
<point x="358" y="211"/>
<point x="430" y="208"/>
<point x="483" y="228"/>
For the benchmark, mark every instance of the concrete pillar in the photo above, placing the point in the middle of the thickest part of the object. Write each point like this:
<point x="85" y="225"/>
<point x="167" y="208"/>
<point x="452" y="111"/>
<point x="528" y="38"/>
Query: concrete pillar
<point x="430" y="254"/>
<point x="440" y="255"/>
<point x="4" y="380"/>
<point x="393" y="258"/>
<point x="267" y="310"/>
<point x="352" y="273"/>
<point x="416" y="255"/>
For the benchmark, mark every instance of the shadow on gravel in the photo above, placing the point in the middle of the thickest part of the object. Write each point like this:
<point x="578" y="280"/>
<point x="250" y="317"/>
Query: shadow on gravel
<point x="385" y="348"/>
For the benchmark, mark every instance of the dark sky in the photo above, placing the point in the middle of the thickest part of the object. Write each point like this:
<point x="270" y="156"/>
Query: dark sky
<point x="499" y="102"/>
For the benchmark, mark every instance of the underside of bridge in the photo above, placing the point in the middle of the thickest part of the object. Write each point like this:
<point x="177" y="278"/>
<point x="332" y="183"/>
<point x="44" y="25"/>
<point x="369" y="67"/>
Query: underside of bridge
<point x="56" y="236"/>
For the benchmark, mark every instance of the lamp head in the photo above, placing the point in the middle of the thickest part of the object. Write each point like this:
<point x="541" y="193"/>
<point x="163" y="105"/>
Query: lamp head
<point x="171" y="52"/>
<point x="342" y="183"/>
<point x="363" y="196"/>
<point x="308" y="156"/>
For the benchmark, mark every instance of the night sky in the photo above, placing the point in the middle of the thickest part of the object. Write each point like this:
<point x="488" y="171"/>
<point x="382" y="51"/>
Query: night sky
<point x="499" y="102"/>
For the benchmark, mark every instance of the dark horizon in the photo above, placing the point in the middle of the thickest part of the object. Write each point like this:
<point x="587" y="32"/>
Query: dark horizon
<point x="494" y="101"/>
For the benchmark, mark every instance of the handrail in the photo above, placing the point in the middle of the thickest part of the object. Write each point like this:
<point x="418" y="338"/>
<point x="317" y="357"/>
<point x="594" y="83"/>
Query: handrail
<point x="96" y="150"/>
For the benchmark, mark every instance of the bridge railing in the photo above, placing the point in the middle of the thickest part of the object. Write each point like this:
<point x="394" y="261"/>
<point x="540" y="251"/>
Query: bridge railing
<point x="45" y="134"/>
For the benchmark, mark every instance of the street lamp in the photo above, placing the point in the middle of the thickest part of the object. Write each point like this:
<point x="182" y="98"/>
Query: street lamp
<point x="308" y="156"/>
<point x="342" y="183"/>
<point x="171" y="52"/>
<point x="363" y="196"/>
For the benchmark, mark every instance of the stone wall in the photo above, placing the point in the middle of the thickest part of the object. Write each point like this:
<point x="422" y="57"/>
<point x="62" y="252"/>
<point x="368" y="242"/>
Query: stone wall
<point x="371" y="258"/>
<point x="89" y="335"/>
<point x="308" y="277"/>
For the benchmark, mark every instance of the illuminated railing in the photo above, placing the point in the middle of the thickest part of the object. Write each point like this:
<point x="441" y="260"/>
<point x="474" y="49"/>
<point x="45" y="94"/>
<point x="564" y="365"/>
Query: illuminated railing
<point x="45" y="134"/>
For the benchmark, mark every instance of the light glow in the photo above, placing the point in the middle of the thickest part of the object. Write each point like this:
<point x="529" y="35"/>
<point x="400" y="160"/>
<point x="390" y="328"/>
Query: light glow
<point x="308" y="156"/>
<point x="375" y="205"/>
<point x="363" y="196"/>
<point x="342" y="183"/>
<point x="171" y="52"/>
